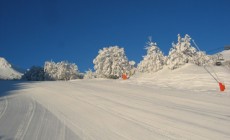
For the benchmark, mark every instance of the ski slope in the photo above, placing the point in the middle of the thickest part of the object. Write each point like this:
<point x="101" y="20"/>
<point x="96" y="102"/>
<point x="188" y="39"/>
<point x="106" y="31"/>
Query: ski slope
<point x="184" y="104"/>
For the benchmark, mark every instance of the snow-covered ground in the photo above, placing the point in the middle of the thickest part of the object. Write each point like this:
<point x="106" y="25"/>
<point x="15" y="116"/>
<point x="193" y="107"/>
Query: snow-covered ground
<point x="226" y="54"/>
<point x="188" y="77"/>
<point x="183" y="104"/>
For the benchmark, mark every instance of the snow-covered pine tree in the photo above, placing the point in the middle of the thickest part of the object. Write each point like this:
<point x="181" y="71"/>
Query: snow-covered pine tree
<point x="201" y="59"/>
<point x="67" y="71"/>
<point x="111" y="62"/>
<point x="60" y="71"/>
<point x="50" y="70"/>
<point x="181" y="53"/>
<point x="154" y="60"/>
<point x="133" y="68"/>
<point x="89" y="74"/>
<point x="35" y="73"/>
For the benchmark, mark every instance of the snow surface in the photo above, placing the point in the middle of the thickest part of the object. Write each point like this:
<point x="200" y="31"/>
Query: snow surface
<point x="188" y="77"/>
<point x="183" y="104"/>
<point x="226" y="55"/>
<point x="7" y="71"/>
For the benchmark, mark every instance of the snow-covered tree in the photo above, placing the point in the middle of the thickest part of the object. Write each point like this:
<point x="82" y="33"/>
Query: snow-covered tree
<point x="35" y="73"/>
<point x="89" y="74"/>
<point x="50" y="69"/>
<point x="181" y="53"/>
<point x="60" y="71"/>
<point x="154" y="60"/>
<point x="133" y="68"/>
<point x="111" y="62"/>
<point x="201" y="59"/>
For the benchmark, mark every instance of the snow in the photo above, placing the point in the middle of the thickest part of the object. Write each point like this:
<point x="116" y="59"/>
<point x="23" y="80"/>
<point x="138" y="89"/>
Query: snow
<point x="183" y="104"/>
<point x="188" y="77"/>
<point x="22" y="118"/>
<point x="226" y="54"/>
<point x="7" y="71"/>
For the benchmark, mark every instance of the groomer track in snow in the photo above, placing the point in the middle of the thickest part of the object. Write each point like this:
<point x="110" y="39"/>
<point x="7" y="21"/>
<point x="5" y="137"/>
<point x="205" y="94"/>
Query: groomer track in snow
<point x="178" y="105"/>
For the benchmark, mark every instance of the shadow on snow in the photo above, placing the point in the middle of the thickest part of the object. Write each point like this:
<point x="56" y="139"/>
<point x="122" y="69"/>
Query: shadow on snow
<point x="7" y="86"/>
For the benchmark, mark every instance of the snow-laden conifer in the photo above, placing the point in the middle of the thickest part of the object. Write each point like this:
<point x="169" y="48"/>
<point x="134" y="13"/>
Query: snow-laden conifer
<point x="111" y="62"/>
<point x="153" y="61"/>
<point x="181" y="53"/>
<point x="133" y="68"/>
<point x="60" y="71"/>
<point x="35" y="73"/>
<point x="89" y="74"/>
<point x="201" y="59"/>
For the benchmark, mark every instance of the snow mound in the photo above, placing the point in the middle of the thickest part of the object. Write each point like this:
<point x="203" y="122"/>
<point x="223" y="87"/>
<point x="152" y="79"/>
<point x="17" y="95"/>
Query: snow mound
<point x="7" y="72"/>
<point x="188" y="77"/>
<point x="226" y="55"/>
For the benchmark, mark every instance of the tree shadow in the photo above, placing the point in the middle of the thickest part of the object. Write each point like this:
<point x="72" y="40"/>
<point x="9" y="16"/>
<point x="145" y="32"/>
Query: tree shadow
<point x="7" y="86"/>
<point x="4" y="138"/>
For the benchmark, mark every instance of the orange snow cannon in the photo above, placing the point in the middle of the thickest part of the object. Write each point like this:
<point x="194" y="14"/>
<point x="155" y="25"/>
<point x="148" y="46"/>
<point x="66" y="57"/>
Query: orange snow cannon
<point x="124" y="76"/>
<point x="222" y="86"/>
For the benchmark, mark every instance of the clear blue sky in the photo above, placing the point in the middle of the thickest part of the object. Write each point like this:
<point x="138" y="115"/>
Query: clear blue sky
<point x="33" y="31"/>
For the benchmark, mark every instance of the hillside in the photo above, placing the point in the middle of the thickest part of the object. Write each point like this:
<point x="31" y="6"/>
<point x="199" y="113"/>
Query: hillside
<point x="7" y="72"/>
<point x="183" y="104"/>
<point x="189" y="77"/>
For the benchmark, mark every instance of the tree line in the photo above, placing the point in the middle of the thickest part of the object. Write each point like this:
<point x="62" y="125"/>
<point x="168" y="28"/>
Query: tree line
<point x="111" y="62"/>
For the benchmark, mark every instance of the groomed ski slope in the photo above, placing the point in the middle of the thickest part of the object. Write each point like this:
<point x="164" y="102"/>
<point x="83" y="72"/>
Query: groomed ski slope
<point x="184" y="104"/>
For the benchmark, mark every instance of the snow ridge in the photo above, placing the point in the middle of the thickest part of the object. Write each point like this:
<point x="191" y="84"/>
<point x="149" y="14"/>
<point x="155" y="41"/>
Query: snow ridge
<point x="7" y="72"/>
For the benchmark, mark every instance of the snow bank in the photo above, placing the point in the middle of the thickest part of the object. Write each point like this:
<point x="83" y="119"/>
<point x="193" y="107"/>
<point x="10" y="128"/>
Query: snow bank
<point x="226" y="55"/>
<point x="188" y="77"/>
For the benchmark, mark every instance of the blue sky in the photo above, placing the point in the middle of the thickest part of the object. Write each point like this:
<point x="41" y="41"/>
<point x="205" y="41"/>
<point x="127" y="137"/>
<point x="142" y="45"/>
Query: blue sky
<point x="33" y="31"/>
